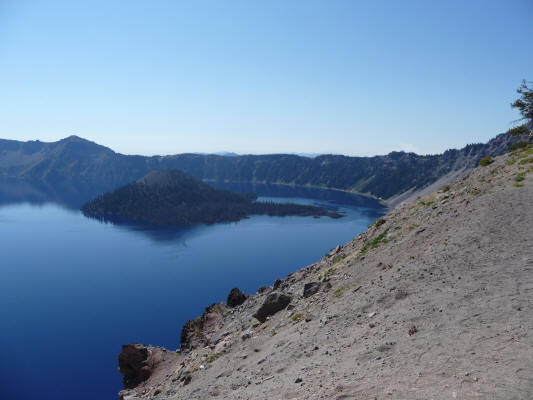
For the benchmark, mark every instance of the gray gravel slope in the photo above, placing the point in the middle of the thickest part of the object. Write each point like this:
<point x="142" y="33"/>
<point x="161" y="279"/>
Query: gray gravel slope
<point x="434" y="301"/>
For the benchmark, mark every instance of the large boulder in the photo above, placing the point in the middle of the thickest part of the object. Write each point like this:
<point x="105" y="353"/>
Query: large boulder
<point x="133" y="363"/>
<point x="273" y="303"/>
<point x="311" y="288"/>
<point x="235" y="297"/>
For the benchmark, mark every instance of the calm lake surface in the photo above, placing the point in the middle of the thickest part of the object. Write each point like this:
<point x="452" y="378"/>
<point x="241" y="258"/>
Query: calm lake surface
<point x="73" y="289"/>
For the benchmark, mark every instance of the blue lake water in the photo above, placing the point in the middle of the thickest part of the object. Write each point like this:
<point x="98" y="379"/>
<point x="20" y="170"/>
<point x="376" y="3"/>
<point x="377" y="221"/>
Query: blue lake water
<point x="73" y="289"/>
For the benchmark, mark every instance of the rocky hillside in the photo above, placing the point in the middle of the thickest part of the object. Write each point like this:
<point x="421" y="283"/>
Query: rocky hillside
<point x="81" y="169"/>
<point x="433" y="301"/>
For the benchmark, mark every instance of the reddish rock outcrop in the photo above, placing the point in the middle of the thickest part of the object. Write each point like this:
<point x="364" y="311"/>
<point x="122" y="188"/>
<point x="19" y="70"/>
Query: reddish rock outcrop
<point x="198" y="332"/>
<point x="134" y="363"/>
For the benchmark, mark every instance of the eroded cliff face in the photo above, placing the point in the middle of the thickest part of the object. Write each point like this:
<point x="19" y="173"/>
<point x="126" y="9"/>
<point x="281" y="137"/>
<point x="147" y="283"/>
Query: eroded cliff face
<point x="203" y="330"/>
<point x="136" y="363"/>
<point x="433" y="301"/>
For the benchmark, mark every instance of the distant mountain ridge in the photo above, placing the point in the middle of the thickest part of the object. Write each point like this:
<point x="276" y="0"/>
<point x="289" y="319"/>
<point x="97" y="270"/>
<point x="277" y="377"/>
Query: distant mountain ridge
<point x="78" y="166"/>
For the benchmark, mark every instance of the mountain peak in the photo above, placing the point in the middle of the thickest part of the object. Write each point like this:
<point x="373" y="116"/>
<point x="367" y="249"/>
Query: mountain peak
<point x="73" y="138"/>
<point x="82" y="145"/>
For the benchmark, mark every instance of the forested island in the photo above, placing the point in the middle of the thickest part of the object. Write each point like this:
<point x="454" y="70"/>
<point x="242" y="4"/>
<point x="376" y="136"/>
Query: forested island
<point x="171" y="197"/>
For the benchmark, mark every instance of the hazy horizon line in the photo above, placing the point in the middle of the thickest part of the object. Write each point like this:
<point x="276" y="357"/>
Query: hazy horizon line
<point x="229" y="153"/>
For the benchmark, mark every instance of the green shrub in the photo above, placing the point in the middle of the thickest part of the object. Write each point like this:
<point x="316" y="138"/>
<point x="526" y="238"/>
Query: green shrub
<point x="485" y="161"/>
<point x="338" y="292"/>
<point x="517" y="146"/>
<point x="520" y="177"/>
<point x="297" y="317"/>
<point x="338" y="257"/>
<point x="213" y="357"/>
<point x="375" y="242"/>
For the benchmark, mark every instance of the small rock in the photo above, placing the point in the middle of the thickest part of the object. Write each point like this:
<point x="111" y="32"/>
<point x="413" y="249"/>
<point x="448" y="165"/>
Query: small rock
<point x="235" y="298"/>
<point x="126" y="395"/>
<point x="380" y="222"/>
<point x="311" y="288"/>
<point x="298" y="380"/>
<point x="334" y="250"/>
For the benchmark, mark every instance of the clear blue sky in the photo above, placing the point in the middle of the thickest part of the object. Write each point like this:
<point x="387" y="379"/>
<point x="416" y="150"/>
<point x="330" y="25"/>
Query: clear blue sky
<point x="351" y="77"/>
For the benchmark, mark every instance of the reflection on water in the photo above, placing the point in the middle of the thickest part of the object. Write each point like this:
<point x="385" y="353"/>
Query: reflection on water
<point x="74" y="196"/>
<point x="287" y="191"/>
<point x="165" y="234"/>
<point x="13" y="191"/>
